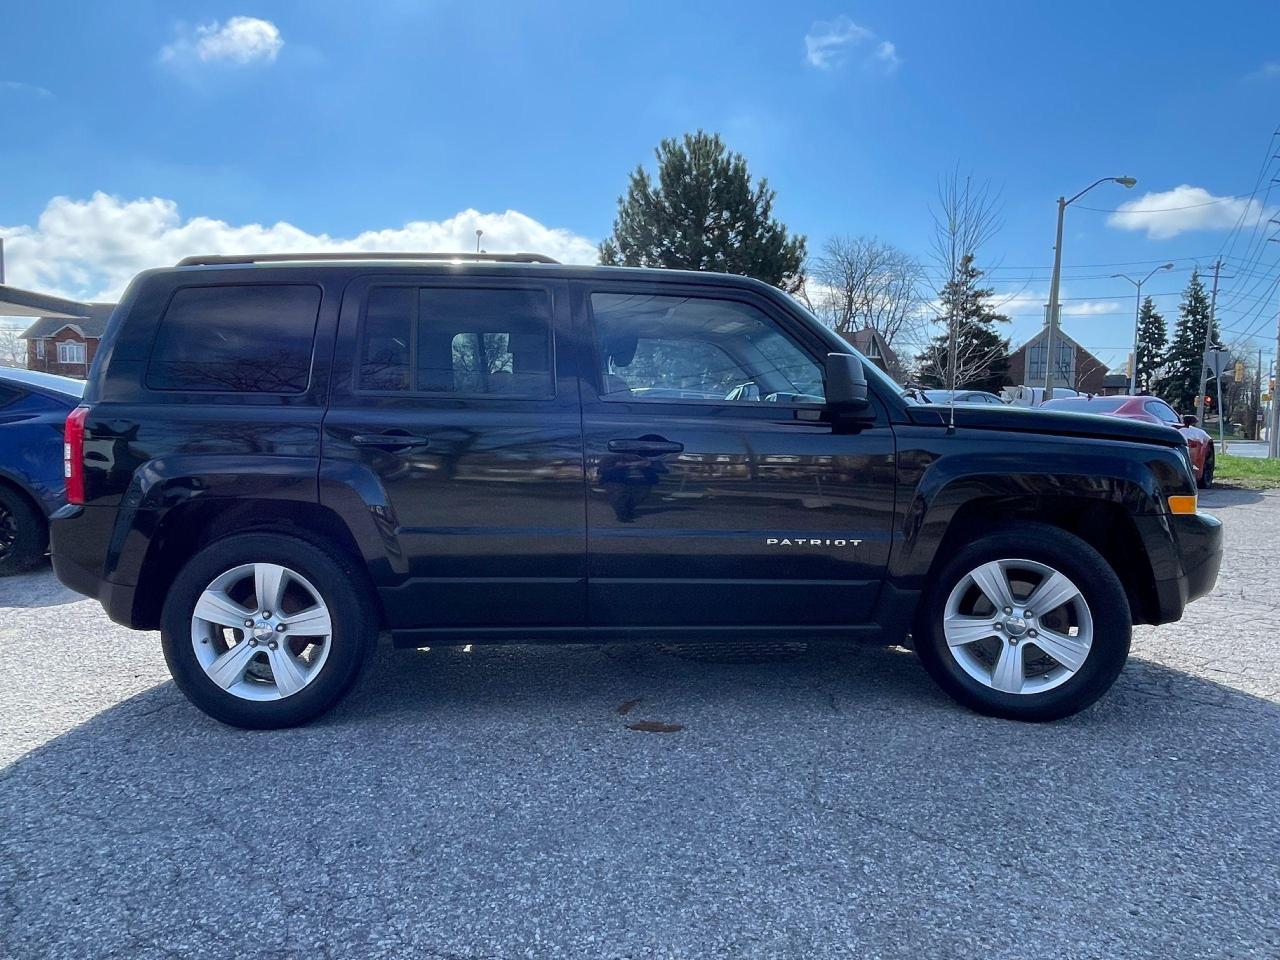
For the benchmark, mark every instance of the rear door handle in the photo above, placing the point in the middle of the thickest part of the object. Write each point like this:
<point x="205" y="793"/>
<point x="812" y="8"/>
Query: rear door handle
<point x="389" y="441"/>
<point x="645" y="448"/>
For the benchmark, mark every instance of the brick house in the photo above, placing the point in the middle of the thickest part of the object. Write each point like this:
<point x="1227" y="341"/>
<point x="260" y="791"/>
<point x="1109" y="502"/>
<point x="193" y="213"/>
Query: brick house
<point x="1076" y="367"/>
<point x="66" y="345"/>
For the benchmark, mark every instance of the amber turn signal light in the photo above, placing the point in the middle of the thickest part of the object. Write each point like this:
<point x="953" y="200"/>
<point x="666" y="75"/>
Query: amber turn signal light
<point x="1182" y="504"/>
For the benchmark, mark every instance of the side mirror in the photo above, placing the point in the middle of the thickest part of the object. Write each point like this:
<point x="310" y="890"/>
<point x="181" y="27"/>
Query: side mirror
<point x="1190" y="420"/>
<point x="846" y="385"/>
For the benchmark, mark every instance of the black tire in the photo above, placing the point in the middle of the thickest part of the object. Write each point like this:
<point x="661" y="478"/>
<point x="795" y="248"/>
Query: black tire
<point x="1102" y="592"/>
<point x="1206" y="475"/>
<point x="340" y="584"/>
<point x="24" y="535"/>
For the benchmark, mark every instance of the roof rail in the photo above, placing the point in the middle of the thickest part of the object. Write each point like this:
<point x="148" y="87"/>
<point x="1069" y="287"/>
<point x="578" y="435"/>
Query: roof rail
<point x="216" y="259"/>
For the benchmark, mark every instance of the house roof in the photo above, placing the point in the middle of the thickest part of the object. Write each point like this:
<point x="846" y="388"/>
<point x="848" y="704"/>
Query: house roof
<point x="90" y="327"/>
<point x="871" y="343"/>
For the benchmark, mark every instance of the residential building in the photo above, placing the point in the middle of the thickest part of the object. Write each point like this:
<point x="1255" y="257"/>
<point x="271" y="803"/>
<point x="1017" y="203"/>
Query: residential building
<point x="66" y="345"/>
<point x="871" y="344"/>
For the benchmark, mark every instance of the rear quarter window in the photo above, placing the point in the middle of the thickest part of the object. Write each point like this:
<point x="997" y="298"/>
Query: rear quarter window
<point x="247" y="338"/>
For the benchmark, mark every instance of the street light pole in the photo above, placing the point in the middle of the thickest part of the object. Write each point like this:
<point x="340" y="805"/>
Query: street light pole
<point x="1125" y="182"/>
<point x="1137" y="316"/>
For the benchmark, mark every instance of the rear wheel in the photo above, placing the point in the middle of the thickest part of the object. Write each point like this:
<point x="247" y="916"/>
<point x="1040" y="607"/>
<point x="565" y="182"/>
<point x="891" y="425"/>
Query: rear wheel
<point x="1206" y="475"/>
<point x="24" y="536"/>
<point x="1030" y="624"/>
<point x="264" y="630"/>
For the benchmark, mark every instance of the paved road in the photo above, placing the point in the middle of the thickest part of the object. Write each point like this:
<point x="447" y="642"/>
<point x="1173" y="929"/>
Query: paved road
<point x="494" y="805"/>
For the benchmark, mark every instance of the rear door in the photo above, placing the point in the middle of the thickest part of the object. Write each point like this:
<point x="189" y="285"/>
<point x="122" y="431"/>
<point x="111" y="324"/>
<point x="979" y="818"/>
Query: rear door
<point x="455" y="414"/>
<point x="716" y="494"/>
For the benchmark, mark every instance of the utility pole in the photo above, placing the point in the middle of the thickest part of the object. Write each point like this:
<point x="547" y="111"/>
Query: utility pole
<point x="1273" y="435"/>
<point x="1208" y="331"/>
<point x="1258" y="416"/>
<point x="1050" y="346"/>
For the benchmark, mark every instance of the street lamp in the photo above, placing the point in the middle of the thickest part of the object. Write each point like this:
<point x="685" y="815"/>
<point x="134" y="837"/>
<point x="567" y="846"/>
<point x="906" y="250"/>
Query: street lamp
<point x="1127" y="183"/>
<point x="479" y="234"/>
<point x="1137" y="312"/>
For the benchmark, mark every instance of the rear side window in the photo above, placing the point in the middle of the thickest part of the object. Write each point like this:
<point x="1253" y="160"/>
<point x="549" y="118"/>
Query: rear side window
<point x="252" y="338"/>
<point x="448" y="341"/>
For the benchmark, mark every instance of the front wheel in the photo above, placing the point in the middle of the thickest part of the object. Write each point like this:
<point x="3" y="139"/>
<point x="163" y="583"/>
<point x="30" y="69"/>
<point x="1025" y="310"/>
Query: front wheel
<point x="1206" y="474"/>
<point x="265" y="630"/>
<point x="1030" y="623"/>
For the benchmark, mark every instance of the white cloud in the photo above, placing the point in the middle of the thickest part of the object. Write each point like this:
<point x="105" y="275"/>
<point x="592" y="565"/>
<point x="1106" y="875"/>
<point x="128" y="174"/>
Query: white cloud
<point x="240" y="41"/>
<point x="829" y="44"/>
<point x="92" y="248"/>
<point x="31" y="89"/>
<point x="1185" y="208"/>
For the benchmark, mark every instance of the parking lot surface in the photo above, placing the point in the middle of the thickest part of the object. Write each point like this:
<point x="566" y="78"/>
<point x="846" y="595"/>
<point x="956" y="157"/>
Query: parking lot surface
<point x="496" y="804"/>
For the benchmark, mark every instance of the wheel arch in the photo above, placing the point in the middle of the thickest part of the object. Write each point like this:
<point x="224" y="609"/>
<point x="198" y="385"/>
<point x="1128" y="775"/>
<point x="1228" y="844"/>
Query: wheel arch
<point x="1106" y="526"/>
<point x="186" y="529"/>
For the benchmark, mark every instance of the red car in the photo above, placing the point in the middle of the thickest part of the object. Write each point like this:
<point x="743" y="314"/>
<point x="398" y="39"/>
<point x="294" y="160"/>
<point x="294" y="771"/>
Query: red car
<point x="1152" y="410"/>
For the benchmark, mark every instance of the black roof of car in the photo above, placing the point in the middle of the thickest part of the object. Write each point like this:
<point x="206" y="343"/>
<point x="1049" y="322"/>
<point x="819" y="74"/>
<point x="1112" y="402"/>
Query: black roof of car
<point x="520" y="262"/>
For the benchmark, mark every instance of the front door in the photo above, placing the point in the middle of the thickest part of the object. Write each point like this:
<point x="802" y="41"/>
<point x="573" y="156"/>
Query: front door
<point x="717" y="496"/>
<point x="458" y="417"/>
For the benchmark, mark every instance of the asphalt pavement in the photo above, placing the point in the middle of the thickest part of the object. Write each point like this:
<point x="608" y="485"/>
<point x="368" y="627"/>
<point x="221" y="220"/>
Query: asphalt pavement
<point x="496" y="804"/>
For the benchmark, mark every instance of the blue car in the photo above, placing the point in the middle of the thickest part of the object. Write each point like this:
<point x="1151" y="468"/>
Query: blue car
<point x="33" y="409"/>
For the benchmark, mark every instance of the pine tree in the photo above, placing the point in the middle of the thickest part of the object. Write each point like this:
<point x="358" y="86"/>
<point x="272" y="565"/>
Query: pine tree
<point x="703" y="213"/>
<point x="1180" y="383"/>
<point x="1153" y="340"/>
<point x="981" y="357"/>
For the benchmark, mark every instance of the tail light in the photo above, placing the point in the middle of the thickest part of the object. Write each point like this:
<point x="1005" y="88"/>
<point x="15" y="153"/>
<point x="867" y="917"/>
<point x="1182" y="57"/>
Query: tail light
<point x="73" y="454"/>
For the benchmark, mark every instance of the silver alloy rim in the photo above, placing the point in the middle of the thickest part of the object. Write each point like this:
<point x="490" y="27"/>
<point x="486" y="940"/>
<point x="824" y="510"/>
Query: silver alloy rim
<point x="1018" y="626"/>
<point x="261" y="631"/>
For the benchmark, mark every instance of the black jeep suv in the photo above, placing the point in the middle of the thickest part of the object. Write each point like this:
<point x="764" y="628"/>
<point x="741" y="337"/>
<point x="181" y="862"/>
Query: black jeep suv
<point x="280" y="457"/>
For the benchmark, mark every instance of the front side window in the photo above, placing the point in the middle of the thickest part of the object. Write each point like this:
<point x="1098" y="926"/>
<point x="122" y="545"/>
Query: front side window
<point x="698" y="348"/>
<point x="250" y="338"/>
<point x="457" y="342"/>
<point x="71" y="352"/>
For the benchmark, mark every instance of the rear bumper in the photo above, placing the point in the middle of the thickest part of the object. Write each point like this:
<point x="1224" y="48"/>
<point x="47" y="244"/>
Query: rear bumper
<point x="1199" y="546"/>
<point x="79" y="555"/>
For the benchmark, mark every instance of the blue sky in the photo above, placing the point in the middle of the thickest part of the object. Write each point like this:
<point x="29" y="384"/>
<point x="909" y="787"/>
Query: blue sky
<point x="336" y="119"/>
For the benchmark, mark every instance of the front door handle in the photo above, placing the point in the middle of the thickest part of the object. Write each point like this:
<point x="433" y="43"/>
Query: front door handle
<point x="389" y="441"/>
<point x="645" y="447"/>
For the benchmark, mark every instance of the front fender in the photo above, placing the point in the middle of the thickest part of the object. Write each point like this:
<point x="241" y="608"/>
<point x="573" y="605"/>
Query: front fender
<point x="943" y="484"/>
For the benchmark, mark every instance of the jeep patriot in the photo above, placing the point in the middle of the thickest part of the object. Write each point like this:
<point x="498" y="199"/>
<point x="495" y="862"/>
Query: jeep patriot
<point x="279" y="458"/>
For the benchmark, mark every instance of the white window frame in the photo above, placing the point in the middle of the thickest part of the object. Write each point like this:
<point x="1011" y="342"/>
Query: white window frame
<point x="72" y="352"/>
<point x="40" y="348"/>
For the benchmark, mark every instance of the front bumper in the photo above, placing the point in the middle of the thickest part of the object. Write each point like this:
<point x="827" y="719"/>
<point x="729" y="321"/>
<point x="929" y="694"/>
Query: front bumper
<point x="1198" y="538"/>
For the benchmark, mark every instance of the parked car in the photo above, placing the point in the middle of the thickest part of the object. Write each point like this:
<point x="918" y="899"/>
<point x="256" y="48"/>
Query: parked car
<point x="1023" y="396"/>
<point x="33" y="408"/>
<point x="1200" y="445"/>
<point x="960" y="396"/>
<point x="280" y="456"/>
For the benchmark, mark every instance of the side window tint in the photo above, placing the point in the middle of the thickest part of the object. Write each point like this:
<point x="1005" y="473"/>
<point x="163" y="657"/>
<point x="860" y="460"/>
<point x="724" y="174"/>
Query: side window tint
<point x="385" y="338"/>
<point x="457" y="342"/>
<point x="698" y="348"/>
<point x="1164" y="412"/>
<point x="252" y="338"/>
<point x="8" y="395"/>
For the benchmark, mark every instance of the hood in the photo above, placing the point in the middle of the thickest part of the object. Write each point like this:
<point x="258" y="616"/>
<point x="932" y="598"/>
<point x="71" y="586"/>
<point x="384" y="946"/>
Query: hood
<point x="1051" y="422"/>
